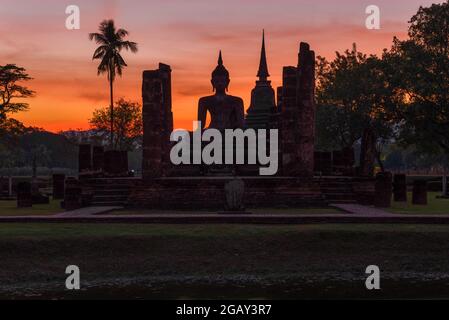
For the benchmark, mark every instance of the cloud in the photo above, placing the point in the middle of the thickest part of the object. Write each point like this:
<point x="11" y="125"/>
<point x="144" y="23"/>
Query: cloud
<point x="194" y="91"/>
<point x="94" y="96"/>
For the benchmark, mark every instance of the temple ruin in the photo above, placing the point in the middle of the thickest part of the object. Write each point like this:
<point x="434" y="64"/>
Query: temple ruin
<point x="305" y="177"/>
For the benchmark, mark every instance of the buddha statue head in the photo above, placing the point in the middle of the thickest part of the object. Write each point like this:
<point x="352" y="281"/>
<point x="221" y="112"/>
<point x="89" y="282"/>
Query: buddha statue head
<point x="220" y="77"/>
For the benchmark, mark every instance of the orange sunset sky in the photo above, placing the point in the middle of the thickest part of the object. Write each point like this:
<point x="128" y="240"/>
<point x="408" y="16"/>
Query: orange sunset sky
<point x="185" y="34"/>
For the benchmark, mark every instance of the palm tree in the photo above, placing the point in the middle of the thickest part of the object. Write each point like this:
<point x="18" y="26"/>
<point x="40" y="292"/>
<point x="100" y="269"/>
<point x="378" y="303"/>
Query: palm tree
<point x="111" y="43"/>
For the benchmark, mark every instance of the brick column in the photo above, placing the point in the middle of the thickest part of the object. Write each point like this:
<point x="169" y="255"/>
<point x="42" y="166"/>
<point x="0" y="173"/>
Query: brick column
<point x="306" y="110"/>
<point x="58" y="186"/>
<point x="98" y="158"/>
<point x="420" y="192"/>
<point x="400" y="188"/>
<point x="24" y="196"/>
<point x="288" y="122"/>
<point x="367" y="153"/>
<point x="72" y="196"/>
<point x="382" y="198"/>
<point x="157" y="121"/>
<point x="85" y="158"/>
<point x="297" y="113"/>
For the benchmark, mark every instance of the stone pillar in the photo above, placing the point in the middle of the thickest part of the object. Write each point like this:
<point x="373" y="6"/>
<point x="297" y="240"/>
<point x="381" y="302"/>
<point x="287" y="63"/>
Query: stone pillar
<point x="367" y="154"/>
<point x="306" y="110"/>
<point x="234" y="196"/>
<point x="58" y="186"/>
<point x="420" y="192"/>
<point x="116" y="163"/>
<point x="349" y="161"/>
<point x="85" y="158"/>
<point x="3" y="186"/>
<point x="157" y="122"/>
<point x="337" y="161"/>
<point x="24" y="195"/>
<point x="288" y="122"/>
<point x="279" y="91"/>
<point x="98" y="158"/>
<point x="400" y="188"/>
<point x="383" y="188"/>
<point x="10" y="186"/>
<point x="323" y="163"/>
<point x="445" y="191"/>
<point x="72" y="197"/>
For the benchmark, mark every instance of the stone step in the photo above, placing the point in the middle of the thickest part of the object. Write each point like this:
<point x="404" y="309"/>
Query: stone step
<point x="344" y="201"/>
<point x="116" y="182"/>
<point x="108" y="203"/>
<point x="335" y="183"/>
<point x="333" y="190"/>
<point x="340" y="196"/>
<point x="111" y="192"/>
<point x="100" y="197"/>
<point x="113" y="187"/>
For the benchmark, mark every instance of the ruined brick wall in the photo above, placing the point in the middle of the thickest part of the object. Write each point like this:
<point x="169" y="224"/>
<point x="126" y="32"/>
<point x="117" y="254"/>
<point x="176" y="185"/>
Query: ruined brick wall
<point x="306" y="110"/>
<point x="289" y="122"/>
<point x="157" y="121"/>
<point x="209" y="194"/>
<point x="297" y="116"/>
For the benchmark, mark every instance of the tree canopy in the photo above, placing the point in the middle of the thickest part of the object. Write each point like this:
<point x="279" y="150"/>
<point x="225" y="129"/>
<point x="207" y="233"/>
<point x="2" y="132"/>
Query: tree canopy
<point x="127" y="124"/>
<point x="11" y="90"/>
<point x="354" y="95"/>
<point x="421" y="65"/>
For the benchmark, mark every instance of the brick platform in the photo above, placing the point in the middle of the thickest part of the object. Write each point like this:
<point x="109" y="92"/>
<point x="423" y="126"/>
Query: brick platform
<point x="208" y="193"/>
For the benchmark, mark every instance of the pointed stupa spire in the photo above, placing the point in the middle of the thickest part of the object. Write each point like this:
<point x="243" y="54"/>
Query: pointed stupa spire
<point x="263" y="68"/>
<point x="220" y="59"/>
<point x="220" y="70"/>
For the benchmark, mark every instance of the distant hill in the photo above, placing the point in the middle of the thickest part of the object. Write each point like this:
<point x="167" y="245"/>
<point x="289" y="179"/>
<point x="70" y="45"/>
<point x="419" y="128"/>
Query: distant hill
<point x="62" y="149"/>
<point x="62" y="153"/>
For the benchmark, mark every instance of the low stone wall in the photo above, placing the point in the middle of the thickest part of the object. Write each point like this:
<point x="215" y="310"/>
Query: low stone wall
<point x="365" y="190"/>
<point x="208" y="193"/>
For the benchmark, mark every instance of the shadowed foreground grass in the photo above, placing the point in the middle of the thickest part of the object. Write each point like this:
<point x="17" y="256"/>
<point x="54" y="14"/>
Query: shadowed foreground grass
<point x="223" y="261"/>
<point x="9" y="208"/>
<point x="435" y="206"/>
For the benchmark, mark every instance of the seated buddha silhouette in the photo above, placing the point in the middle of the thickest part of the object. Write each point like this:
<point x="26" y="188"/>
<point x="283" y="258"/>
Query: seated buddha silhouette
<point x="226" y="111"/>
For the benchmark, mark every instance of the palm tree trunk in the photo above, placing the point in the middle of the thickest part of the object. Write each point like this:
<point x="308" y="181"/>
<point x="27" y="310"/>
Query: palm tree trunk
<point x="445" y="191"/>
<point x="111" y="84"/>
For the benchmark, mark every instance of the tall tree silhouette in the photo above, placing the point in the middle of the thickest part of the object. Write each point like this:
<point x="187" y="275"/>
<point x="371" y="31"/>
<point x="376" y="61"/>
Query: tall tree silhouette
<point x="111" y="41"/>
<point x="10" y="89"/>
<point x="420" y="66"/>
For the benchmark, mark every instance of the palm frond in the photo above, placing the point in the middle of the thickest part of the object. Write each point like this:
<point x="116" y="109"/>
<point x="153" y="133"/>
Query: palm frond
<point x="129" y="45"/>
<point x="100" y="52"/>
<point x="121" y="33"/>
<point x="104" y="65"/>
<point x="120" y="63"/>
<point x="98" y="37"/>
<point x="111" y="43"/>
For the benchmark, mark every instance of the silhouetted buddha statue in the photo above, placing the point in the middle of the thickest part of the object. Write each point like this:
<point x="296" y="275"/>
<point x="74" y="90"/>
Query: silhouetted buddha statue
<point x="226" y="111"/>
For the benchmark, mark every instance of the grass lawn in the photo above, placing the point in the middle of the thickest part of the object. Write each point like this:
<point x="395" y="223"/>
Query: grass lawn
<point x="435" y="206"/>
<point x="223" y="261"/>
<point x="9" y="208"/>
<point x="318" y="211"/>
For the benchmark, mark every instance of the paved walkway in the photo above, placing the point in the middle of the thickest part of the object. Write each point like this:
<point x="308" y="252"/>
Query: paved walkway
<point x="354" y="213"/>
<point x="363" y="210"/>
<point x="86" y="212"/>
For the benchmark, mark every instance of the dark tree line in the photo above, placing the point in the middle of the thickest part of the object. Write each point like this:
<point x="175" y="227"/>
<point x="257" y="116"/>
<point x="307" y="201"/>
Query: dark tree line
<point x="400" y="97"/>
